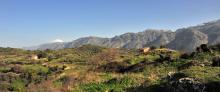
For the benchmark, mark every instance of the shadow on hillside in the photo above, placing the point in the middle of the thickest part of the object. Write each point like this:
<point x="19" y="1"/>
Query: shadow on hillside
<point x="122" y="67"/>
<point x="213" y="87"/>
<point x="152" y="88"/>
<point x="209" y="87"/>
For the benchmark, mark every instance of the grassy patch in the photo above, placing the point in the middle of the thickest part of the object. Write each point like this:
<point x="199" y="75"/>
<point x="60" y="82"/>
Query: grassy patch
<point x="35" y="69"/>
<point x="205" y="74"/>
<point x="4" y="69"/>
<point x="113" y="85"/>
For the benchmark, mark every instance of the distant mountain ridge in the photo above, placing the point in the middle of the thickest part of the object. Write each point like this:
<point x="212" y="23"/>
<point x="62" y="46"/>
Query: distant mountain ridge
<point x="185" y="39"/>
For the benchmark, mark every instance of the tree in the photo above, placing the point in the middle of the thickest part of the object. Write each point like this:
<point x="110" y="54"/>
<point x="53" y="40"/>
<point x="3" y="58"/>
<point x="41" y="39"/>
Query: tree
<point x="42" y="54"/>
<point x="162" y="46"/>
<point x="205" y="48"/>
<point x="153" y="47"/>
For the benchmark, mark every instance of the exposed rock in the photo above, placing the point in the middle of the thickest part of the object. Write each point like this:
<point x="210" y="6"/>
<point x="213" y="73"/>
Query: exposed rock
<point x="162" y="40"/>
<point x="189" y="85"/>
<point x="178" y="82"/>
<point x="211" y="29"/>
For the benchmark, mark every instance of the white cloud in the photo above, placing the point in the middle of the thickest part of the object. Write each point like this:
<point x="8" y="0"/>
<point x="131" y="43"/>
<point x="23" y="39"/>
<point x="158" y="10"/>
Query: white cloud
<point x="58" y="40"/>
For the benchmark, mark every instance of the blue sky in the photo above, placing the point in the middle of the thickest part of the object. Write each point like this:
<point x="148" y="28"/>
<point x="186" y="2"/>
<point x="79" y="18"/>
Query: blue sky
<point x="33" y="22"/>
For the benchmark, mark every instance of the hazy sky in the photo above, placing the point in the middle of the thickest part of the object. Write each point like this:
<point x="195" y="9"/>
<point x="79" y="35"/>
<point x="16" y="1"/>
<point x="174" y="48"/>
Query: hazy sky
<point x="33" y="22"/>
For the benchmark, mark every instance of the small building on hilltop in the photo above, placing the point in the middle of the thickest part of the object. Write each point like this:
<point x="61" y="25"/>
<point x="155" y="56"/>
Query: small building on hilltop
<point x="33" y="57"/>
<point x="145" y="50"/>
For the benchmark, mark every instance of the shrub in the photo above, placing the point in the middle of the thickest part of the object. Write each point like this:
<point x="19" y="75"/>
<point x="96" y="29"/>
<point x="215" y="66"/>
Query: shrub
<point x="64" y="81"/>
<point x="198" y="50"/>
<point x="205" y="48"/>
<point x="153" y="47"/>
<point x="56" y="69"/>
<point x="139" y="59"/>
<point x="164" y="58"/>
<point x="42" y="54"/>
<point x="16" y="69"/>
<point x="215" y="47"/>
<point x="34" y="73"/>
<point x="112" y="67"/>
<point x="18" y="85"/>
<point x="91" y="48"/>
<point x="185" y="56"/>
<point x="216" y="61"/>
<point x="104" y="57"/>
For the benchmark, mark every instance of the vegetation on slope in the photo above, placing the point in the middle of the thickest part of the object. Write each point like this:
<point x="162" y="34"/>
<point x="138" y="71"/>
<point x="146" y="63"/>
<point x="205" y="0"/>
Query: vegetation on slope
<point x="97" y="69"/>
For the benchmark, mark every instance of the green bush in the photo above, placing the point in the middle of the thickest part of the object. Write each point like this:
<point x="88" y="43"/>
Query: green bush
<point x="137" y="59"/>
<point x="34" y="73"/>
<point x="18" y="85"/>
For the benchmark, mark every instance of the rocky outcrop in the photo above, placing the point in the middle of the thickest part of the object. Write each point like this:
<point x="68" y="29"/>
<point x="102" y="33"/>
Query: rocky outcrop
<point x="187" y="40"/>
<point x="211" y="29"/>
<point x="178" y="82"/>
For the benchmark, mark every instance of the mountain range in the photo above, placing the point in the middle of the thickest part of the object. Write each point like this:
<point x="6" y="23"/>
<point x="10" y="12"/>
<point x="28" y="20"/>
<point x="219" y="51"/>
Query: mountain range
<point x="184" y="39"/>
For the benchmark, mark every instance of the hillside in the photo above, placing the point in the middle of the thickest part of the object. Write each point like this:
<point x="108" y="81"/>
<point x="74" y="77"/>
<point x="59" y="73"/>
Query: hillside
<point x="91" y="68"/>
<point x="207" y="33"/>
